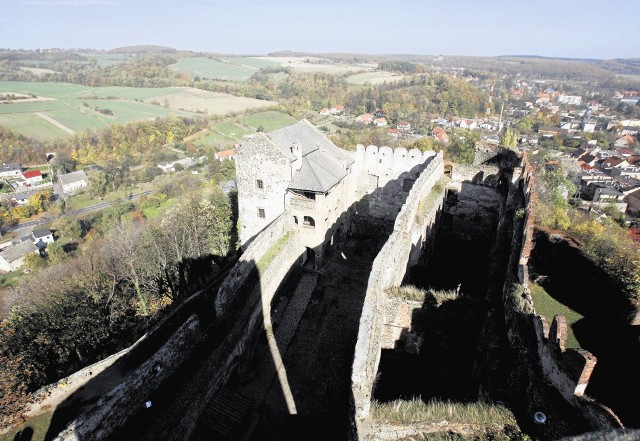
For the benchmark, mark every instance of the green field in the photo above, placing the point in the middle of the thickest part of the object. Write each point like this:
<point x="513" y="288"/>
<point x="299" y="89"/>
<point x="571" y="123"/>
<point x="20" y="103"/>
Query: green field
<point x="270" y="120"/>
<point x="77" y="108"/>
<point x="548" y="307"/>
<point x="254" y="63"/>
<point x="377" y="77"/>
<point x="213" y="69"/>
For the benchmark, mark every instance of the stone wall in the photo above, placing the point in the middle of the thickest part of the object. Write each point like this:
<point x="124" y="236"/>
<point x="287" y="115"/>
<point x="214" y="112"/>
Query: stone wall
<point x="384" y="178"/>
<point x="123" y="401"/>
<point x="545" y="353"/>
<point x="246" y="265"/>
<point x="258" y="160"/>
<point x="388" y="270"/>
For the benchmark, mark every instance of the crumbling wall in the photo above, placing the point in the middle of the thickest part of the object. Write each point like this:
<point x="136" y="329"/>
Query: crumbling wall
<point x="543" y="348"/>
<point x="417" y="215"/>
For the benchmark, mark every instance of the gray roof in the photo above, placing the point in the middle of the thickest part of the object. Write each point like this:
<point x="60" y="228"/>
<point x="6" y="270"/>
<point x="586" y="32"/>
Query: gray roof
<point x="323" y="163"/>
<point x="15" y="252"/>
<point x="43" y="232"/>
<point x="72" y="177"/>
<point x="11" y="166"/>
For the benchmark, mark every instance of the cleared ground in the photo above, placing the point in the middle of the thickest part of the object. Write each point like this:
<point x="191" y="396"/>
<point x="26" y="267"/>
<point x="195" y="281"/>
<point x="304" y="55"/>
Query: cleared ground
<point x="79" y="107"/>
<point x="313" y="64"/>
<point x="269" y="120"/>
<point x="377" y="77"/>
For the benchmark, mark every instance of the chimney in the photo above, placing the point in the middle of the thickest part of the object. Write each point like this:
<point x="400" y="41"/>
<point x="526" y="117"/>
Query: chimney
<point x="296" y="149"/>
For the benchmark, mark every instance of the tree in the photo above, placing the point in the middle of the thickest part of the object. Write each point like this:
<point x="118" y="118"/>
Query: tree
<point x="56" y="252"/>
<point x="98" y="183"/>
<point x="63" y="163"/>
<point x="510" y="138"/>
<point x="33" y="261"/>
<point x="68" y="226"/>
<point x="426" y="143"/>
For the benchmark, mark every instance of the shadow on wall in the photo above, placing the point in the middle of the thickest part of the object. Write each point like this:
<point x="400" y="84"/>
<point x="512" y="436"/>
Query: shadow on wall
<point x="188" y="365"/>
<point x="573" y="280"/>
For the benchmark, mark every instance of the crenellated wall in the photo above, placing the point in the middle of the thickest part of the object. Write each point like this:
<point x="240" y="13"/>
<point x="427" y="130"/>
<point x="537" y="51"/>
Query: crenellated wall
<point x="403" y="246"/>
<point x="383" y="178"/>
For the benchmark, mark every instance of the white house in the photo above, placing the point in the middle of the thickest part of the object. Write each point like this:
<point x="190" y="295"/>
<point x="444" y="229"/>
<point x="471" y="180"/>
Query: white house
<point x="74" y="181"/>
<point x="32" y="177"/>
<point x="11" y="170"/>
<point x="12" y="258"/>
<point x="42" y="237"/>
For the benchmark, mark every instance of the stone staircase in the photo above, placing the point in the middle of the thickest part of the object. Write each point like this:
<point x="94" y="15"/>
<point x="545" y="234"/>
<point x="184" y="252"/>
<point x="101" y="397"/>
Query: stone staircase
<point x="228" y="416"/>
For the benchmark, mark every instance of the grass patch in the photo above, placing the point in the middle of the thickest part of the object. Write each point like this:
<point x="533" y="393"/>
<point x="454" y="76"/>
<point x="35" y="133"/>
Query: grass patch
<point x="154" y="212"/>
<point x="231" y="130"/>
<point x="548" y="307"/>
<point x="10" y="279"/>
<point x="272" y="252"/>
<point x="270" y="120"/>
<point x="435" y="195"/>
<point x="412" y="293"/>
<point x="37" y="425"/>
<point x="417" y="411"/>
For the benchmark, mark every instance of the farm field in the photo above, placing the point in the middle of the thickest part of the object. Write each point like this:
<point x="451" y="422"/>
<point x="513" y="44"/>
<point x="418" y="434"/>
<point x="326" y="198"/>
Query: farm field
<point x="225" y="134"/>
<point x="376" y="77"/>
<point x="269" y="120"/>
<point x="67" y="108"/>
<point x="229" y="69"/>
<point x="313" y="64"/>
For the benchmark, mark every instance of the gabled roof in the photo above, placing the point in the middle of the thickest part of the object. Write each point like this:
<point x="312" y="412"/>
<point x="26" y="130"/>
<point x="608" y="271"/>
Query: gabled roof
<point x="43" y="232"/>
<point x="31" y="174"/>
<point x="11" y="166"/>
<point x="15" y="252"/>
<point x="225" y="153"/>
<point x="323" y="163"/>
<point x="72" y="177"/>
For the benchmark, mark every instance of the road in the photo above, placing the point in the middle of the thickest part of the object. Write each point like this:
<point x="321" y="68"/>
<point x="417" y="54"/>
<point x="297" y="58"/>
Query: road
<point x="90" y="208"/>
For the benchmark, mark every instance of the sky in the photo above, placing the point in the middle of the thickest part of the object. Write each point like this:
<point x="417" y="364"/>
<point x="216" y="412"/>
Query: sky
<point x="555" y="28"/>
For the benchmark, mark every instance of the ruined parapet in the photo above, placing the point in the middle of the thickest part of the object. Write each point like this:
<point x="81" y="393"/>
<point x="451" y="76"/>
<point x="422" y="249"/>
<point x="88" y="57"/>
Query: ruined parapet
<point x="388" y="270"/>
<point x="567" y="370"/>
<point x="113" y="410"/>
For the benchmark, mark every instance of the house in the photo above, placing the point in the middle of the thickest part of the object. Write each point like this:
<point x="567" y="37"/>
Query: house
<point x="393" y="133"/>
<point x="32" y="177"/>
<point x="380" y="122"/>
<point x="225" y="154"/>
<point x="42" y="237"/>
<point x="11" y="170"/>
<point x="337" y="109"/>
<point x="404" y="126"/>
<point x="365" y="118"/>
<point x="166" y="167"/>
<point x="439" y="134"/>
<point x="325" y="111"/>
<point x="12" y="257"/>
<point x="623" y="142"/>
<point x="21" y="198"/>
<point x="574" y="100"/>
<point x="74" y="181"/>
<point x="588" y="126"/>
<point x="295" y="169"/>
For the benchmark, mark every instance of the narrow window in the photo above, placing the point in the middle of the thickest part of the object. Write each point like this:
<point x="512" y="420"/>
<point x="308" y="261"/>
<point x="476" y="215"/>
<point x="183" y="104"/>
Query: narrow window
<point x="259" y="184"/>
<point x="309" y="221"/>
<point x="261" y="213"/>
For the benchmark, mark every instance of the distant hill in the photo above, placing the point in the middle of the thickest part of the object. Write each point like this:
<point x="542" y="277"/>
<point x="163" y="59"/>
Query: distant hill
<point x="143" y="49"/>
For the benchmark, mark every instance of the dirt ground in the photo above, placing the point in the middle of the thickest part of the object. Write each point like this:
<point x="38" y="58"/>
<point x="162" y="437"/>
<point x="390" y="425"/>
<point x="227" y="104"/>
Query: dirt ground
<point x="318" y="360"/>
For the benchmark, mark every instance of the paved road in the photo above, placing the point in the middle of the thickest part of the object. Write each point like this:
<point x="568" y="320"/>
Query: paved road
<point x="88" y="209"/>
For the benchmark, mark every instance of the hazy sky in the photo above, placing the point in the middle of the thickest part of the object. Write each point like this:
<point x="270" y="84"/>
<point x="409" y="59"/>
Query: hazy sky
<point x="567" y="28"/>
